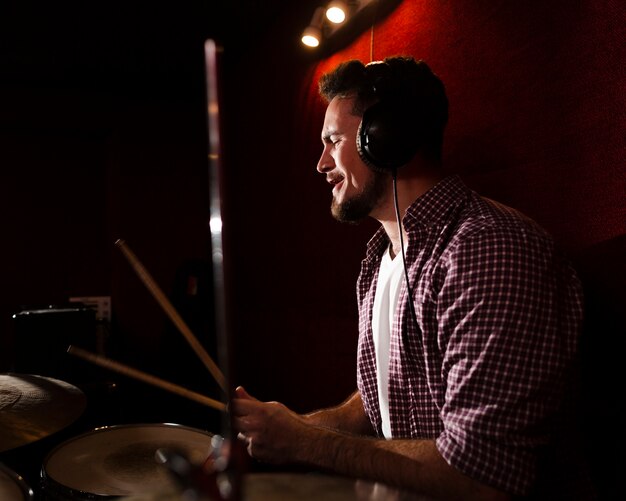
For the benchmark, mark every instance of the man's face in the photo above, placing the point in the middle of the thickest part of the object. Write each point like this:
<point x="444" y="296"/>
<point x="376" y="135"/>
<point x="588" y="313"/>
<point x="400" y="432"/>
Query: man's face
<point x="357" y="189"/>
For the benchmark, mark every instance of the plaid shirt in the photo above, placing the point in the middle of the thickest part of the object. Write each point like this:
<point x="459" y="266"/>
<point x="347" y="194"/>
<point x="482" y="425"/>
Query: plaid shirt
<point x="498" y="318"/>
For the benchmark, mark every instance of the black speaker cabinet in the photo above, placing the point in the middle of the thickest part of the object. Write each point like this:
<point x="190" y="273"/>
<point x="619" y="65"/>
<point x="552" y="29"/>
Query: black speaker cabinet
<point x="41" y="339"/>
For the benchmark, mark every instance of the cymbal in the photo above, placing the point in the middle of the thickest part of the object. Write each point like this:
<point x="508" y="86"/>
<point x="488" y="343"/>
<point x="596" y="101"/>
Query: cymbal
<point x="33" y="407"/>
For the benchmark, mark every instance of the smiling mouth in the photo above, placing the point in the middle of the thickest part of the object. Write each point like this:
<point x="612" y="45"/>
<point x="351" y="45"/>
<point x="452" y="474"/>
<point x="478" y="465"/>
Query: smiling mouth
<point x="337" y="185"/>
<point x="336" y="182"/>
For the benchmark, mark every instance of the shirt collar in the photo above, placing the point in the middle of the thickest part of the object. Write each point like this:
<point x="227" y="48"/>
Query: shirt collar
<point x="427" y="210"/>
<point x="433" y="206"/>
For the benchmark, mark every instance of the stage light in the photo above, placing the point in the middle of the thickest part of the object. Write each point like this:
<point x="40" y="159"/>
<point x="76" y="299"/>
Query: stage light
<point x="337" y="11"/>
<point x="312" y="35"/>
<point x="338" y="18"/>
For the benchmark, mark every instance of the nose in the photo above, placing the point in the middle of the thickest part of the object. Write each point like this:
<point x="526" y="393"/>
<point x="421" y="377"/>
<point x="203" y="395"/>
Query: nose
<point x="326" y="162"/>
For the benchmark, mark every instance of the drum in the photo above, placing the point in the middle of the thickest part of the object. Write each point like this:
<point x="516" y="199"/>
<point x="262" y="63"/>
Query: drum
<point x="13" y="487"/>
<point x="316" y="486"/>
<point x="119" y="461"/>
<point x="301" y="487"/>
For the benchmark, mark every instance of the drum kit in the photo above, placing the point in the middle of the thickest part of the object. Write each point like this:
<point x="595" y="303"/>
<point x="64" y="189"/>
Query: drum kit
<point x="110" y="461"/>
<point x="135" y="462"/>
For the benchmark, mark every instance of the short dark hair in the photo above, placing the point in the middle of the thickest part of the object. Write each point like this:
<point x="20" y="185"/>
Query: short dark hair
<point x="399" y="78"/>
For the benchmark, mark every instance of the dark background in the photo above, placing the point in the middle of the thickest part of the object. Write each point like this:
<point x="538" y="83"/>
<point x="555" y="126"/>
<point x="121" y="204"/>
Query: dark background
<point x="103" y="136"/>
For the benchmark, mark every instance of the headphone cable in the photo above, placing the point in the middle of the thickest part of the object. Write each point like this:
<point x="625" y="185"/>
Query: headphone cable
<point x="394" y="175"/>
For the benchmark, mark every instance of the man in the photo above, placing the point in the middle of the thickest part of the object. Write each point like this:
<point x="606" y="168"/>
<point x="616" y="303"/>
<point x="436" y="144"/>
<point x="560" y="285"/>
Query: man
<point x="462" y="375"/>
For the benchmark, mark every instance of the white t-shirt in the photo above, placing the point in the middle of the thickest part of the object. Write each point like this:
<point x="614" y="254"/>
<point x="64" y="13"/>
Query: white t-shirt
<point x="383" y="315"/>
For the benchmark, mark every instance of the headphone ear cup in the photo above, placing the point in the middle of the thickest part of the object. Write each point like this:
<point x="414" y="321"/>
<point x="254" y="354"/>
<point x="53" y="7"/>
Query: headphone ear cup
<point x="386" y="138"/>
<point x="363" y="147"/>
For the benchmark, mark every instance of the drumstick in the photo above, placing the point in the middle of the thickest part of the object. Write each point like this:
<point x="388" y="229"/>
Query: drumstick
<point x="173" y="314"/>
<point x="146" y="378"/>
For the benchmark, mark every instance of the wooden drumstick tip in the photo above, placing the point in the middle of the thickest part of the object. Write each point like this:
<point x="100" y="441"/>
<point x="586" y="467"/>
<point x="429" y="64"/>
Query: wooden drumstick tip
<point x="120" y="242"/>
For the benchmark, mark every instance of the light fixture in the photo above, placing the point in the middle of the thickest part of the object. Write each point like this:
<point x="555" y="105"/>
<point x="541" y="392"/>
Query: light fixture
<point x="339" y="20"/>
<point x="337" y="11"/>
<point x="312" y="35"/>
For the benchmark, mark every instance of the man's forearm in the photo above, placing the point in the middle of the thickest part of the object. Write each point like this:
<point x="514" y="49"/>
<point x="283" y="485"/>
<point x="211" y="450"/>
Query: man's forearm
<point x="348" y="417"/>
<point x="411" y="464"/>
<point x="274" y="433"/>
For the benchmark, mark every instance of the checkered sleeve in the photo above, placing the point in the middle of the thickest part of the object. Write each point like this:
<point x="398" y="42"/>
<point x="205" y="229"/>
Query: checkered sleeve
<point x="508" y="316"/>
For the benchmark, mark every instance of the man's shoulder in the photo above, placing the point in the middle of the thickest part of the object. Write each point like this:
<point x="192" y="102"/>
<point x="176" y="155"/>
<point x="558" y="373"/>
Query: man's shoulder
<point x="483" y="215"/>
<point x="484" y="225"/>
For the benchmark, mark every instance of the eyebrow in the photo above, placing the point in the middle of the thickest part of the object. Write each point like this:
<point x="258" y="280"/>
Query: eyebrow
<point x="326" y="135"/>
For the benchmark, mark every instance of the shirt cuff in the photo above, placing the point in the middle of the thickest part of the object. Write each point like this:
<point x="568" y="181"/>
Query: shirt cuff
<point x="502" y="466"/>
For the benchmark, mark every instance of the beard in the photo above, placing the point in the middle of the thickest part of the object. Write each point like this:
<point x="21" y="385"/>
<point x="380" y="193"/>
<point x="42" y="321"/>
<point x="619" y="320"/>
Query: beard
<point x="360" y="206"/>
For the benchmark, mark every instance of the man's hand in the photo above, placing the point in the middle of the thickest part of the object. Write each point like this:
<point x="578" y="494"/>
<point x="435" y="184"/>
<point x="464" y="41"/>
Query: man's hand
<point x="271" y="431"/>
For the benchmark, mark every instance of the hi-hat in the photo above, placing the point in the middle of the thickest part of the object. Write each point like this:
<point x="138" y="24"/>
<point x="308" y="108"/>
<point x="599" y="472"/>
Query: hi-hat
<point x="33" y="407"/>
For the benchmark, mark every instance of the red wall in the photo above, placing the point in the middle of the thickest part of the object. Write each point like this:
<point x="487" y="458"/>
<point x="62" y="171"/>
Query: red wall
<point x="537" y="102"/>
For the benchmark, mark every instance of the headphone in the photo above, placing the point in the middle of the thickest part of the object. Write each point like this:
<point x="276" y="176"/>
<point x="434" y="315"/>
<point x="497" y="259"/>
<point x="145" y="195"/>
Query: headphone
<point x="388" y="136"/>
<point x="391" y="131"/>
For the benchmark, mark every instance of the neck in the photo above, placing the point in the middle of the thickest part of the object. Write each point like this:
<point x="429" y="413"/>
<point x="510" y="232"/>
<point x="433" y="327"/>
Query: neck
<point x="410" y="187"/>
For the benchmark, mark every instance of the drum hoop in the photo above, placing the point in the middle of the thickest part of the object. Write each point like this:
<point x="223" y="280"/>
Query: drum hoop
<point x="59" y="487"/>
<point x="52" y="487"/>
<point x="19" y="480"/>
<point x="102" y="429"/>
